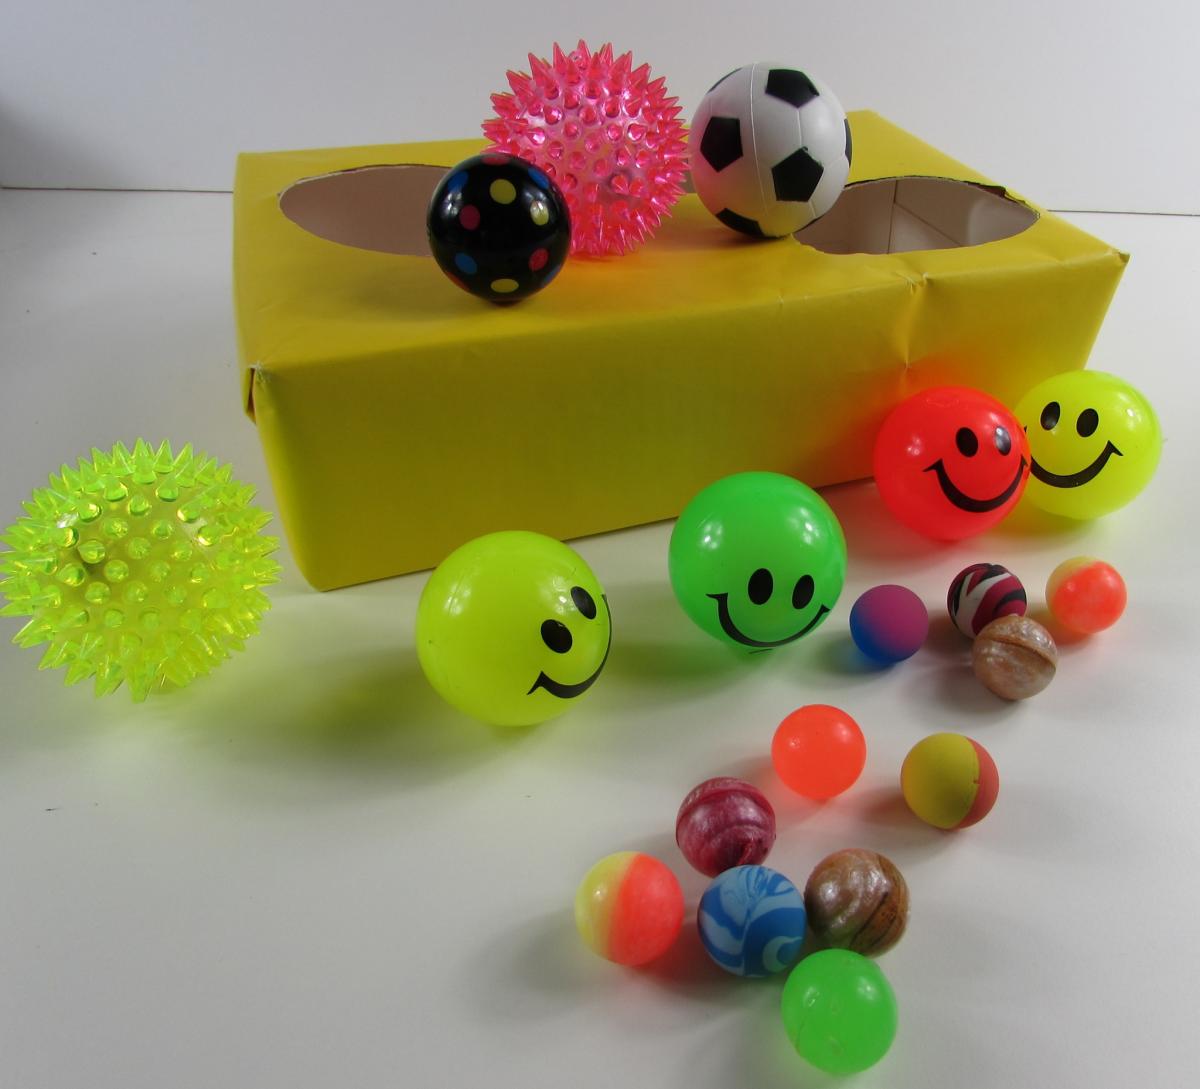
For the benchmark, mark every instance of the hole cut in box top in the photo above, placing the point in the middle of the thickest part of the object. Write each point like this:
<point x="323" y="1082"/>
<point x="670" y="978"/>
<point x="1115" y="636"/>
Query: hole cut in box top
<point x="382" y="208"/>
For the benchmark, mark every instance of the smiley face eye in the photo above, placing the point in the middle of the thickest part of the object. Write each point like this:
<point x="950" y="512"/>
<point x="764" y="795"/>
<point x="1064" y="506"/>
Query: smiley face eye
<point x="1089" y="420"/>
<point x="1003" y="440"/>
<point x="803" y="593"/>
<point x="584" y="602"/>
<point x="1050" y="415"/>
<point x="556" y="635"/>
<point x="760" y="586"/>
<point x="967" y="443"/>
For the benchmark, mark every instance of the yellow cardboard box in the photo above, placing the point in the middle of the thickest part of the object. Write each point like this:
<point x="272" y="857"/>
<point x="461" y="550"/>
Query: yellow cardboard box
<point x="401" y="417"/>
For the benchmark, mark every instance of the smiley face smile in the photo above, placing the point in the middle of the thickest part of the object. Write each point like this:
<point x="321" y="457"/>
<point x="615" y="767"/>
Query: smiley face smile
<point x="736" y="634"/>
<point x="1075" y="480"/>
<point x="571" y="691"/>
<point x="968" y="503"/>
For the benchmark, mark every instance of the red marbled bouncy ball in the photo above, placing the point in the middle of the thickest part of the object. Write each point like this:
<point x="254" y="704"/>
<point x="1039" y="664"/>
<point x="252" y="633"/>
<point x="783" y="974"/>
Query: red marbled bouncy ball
<point x="723" y="823"/>
<point x="606" y="133"/>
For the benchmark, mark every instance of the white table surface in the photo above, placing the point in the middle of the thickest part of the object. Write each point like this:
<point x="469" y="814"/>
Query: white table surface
<point x="305" y="871"/>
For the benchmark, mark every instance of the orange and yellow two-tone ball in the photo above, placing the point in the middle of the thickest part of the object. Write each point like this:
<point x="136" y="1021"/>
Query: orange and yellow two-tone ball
<point x="629" y="908"/>
<point x="949" y="781"/>
<point x="1086" y="595"/>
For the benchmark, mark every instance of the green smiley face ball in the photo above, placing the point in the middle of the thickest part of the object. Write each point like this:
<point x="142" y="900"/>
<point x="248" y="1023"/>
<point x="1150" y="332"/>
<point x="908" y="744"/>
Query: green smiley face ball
<point x="513" y="628"/>
<point x="757" y="560"/>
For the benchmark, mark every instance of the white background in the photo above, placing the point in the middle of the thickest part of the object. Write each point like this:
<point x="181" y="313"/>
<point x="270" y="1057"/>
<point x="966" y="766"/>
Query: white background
<point x="305" y="871"/>
<point x="1080" y="104"/>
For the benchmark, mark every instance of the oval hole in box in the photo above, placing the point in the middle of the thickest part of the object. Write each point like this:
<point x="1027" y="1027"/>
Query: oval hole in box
<point x="372" y="207"/>
<point x="383" y="208"/>
<point x="899" y="215"/>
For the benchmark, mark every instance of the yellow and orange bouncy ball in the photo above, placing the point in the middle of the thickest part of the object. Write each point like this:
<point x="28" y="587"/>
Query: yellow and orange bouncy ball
<point x="629" y="908"/>
<point x="949" y="781"/>
<point x="1086" y="595"/>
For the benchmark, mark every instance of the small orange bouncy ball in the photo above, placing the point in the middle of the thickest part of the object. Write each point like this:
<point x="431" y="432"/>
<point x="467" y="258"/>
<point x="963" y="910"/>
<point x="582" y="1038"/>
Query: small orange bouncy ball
<point x="949" y="781"/>
<point x="1086" y="595"/>
<point x="818" y="751"/>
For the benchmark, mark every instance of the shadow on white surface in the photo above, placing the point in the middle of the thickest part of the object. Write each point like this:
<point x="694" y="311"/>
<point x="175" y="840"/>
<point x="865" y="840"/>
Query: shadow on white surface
<point x="1028" y="523"/>
<point x="370" y="721"/>
<point x="749" y="1047"/>
<point x="657" y="649"/>
<point x="840" y="655"/>
<point x="874" y="537"/>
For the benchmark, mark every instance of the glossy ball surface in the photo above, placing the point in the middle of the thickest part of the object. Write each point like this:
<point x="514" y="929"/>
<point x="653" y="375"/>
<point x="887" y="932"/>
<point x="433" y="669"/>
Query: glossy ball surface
<point x="751" y="921"/>
<point x="770" y="149"/>
<point x="757" y="560"/>
<point x="857" y="900"/>
<point x="949" y="781"/>
<point x="141" y="567"/>
<point x="1086" y="595"/>
<point x="839" y="1011"/>
<point x="951" y="462"/>
<point x="982" y="593"/>
<point x="889" y="623"/>
<point x="606" y="132"/>
<point x="724" y="822"/>
<point x="1095" y="443"/>
<point x="818" y="751"/>
<point x="629" y="908"/>
<point x="513" y="628"/>
<point x="1015" y="657"/>
<point x="498" y="227"/>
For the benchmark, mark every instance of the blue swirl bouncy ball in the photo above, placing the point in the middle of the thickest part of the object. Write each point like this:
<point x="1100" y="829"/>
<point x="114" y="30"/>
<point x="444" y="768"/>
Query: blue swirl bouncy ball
<point x="751" y="921"/>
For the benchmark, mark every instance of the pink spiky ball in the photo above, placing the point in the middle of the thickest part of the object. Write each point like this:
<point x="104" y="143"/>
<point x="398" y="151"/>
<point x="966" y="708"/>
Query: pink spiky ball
<point x="608" y="134"/>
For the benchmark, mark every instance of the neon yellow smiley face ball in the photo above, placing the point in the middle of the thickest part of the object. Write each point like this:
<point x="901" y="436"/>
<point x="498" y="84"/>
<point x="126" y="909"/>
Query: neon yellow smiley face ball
<point x="1094" y="443"/>
<point x="513" y="628"/>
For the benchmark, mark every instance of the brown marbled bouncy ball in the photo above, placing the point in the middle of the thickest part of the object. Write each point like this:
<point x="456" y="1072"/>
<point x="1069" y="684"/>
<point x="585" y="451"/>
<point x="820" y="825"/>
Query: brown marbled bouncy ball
<point x="1015" y="657"/>
<point x="857" y="900"/>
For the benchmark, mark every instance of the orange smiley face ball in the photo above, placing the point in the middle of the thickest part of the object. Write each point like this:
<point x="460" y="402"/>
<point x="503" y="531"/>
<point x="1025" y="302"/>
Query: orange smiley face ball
<point x="951" y="462"/>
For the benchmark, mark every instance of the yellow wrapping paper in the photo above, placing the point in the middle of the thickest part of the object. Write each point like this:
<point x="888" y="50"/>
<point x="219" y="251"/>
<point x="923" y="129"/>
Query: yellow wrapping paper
<point x="401" y="417"/>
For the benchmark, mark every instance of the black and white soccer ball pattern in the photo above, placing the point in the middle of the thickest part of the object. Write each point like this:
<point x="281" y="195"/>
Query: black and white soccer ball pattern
<point x="770" y="149"/>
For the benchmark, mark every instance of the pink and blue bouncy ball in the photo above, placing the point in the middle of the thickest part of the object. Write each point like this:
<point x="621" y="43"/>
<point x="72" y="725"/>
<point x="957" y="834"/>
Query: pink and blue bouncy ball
<point x="889" y="623"/>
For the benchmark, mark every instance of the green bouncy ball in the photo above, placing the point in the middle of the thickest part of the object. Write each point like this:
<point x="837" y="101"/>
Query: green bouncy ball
<point x="757" y="559"/>
<point x="141" y="567"/>
<point x="839" y="1011"/>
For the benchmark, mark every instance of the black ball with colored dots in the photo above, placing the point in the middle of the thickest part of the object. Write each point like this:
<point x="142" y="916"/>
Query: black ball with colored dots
<point x="499" y="227"/>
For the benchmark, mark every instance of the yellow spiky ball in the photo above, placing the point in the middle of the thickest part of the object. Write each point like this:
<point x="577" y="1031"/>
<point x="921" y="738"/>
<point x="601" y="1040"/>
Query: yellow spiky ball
<point x="141" y="567"/>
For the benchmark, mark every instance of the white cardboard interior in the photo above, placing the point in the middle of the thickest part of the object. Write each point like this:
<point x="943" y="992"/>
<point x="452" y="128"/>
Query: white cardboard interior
<point x="898" y="215"/>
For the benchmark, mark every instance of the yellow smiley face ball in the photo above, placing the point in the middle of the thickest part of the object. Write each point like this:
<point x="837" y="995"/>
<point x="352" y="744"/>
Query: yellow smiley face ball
<point x="513" y="628"/>
<point x="1094" y="442"/>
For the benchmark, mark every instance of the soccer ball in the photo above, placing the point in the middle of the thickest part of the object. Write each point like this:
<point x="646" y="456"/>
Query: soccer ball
<point x="770" y="150"/>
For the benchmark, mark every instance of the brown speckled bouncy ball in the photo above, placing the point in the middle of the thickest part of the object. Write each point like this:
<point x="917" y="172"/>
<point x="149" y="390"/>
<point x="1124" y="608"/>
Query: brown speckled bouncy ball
<point x="1015" y="657"/>
<point x="857" y="900"/>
